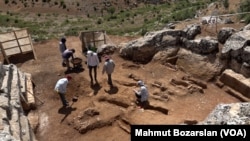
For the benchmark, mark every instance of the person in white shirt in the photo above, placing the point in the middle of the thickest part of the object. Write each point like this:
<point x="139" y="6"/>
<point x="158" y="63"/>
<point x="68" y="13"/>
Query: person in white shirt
<point x="141" y="94"/>
<point x="108" y="68"/>
<point x="60" y="88"/>
<point x="92" y="63"/>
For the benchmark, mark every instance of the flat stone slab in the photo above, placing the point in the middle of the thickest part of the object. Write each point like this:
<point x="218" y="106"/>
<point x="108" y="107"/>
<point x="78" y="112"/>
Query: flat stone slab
<point x="236" y="81"/>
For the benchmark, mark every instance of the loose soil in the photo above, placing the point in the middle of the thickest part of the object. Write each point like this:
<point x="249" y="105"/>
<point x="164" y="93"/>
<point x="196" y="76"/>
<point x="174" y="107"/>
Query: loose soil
<point x="110" y="112"/>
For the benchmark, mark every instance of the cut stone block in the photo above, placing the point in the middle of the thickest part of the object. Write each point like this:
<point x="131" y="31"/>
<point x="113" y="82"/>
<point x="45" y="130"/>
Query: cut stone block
<point x="236" y="81"/>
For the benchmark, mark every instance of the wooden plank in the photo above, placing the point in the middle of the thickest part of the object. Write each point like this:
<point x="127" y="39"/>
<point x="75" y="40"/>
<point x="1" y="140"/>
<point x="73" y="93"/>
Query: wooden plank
<point x="22" y="33"/>
<point x="30" y="91"/>
<point x="33" y="49"/>
<point x="7" y="36"/>
<point x="4" y="54"/>
<point x="92" y="38"/>
<point x="16" y="42"/>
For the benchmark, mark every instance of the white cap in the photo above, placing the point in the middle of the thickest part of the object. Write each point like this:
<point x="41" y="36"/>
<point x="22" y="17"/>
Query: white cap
<point x="89" y="52"/>
<point x="140" y="83"/>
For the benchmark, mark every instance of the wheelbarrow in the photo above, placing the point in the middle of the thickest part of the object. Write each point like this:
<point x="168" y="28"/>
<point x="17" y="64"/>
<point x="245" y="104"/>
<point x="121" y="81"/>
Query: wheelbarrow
<point x="77" y="62"/>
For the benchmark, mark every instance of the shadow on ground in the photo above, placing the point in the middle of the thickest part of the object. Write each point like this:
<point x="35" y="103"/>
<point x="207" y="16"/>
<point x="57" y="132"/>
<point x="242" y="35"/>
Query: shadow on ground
<point x="66" y="111"/>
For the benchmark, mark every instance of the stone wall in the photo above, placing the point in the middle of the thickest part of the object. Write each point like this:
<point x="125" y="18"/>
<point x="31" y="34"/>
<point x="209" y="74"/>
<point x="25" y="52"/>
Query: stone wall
<point x="14" y="123"/>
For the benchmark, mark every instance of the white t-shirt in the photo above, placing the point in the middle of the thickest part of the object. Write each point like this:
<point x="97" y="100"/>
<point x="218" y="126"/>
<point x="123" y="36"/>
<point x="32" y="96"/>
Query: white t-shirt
<point x="61" y="85"/>
<point x="92" y="59"/>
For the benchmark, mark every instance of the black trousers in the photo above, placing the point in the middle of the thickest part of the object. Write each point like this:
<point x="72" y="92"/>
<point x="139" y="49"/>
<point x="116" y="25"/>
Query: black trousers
<point x="138" y="96"/>
<point x="110" y="80"/>
<point x="63" y="99"/>
<point x="90" y="72"/>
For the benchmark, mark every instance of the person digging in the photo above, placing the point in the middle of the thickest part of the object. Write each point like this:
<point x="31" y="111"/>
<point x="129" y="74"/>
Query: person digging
<point x="66" y="55"/>
<point x="141" y="95"/>
<point x="60" y="88"/>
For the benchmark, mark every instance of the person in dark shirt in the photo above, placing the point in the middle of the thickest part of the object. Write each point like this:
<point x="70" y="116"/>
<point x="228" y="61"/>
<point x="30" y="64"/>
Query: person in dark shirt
<point x="62" y="48"/>
<point x="66" y="55"/>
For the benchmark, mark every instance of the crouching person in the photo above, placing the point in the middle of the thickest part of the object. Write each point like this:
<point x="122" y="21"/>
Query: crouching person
<point x="142" y="95"/>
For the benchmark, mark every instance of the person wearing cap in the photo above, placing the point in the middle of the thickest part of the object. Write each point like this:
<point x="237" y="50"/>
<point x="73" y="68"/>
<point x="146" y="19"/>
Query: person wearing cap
<point x="60" y="88"/>
<point x="62" y="48"/>
<point x="92" y="63"/>
<point x="66" y="55"/>
<point x="141" y="94"/>
<point x="108" y="67"/>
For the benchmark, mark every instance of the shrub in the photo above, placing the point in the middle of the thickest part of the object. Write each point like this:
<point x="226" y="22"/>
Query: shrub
<point x="143" y="31"/>
<point x="244" y="7"/>
<point x="99" y="21"/>
<point x="226" y="4"/>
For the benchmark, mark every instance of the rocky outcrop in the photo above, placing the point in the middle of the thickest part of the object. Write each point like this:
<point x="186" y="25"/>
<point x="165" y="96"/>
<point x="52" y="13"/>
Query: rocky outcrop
<point x="199" y="66"/>
<point x="229" y="114"/>
<point x="192" y="31"/>
<point x="200" y="57"/>
<point x="205" y="45"/>
<point x="234" y="54"/>
<point x="237" y="51"/>
<point x="225" y="33"/>
<point x="165" y="45"/>
<point x="14" y="123"/>
<point x="143" y="49"/>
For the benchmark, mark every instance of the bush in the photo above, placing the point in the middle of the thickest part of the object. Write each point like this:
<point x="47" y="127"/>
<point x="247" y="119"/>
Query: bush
<point x="226" y="4"/>
<point x="244" y="7"/>
<point x="143" y="31"/>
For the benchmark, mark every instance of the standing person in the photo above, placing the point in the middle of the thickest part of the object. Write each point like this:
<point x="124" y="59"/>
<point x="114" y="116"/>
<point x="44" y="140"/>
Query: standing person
<point x="108" y="67"/>
<point x="60" y="88"/>
<point x="92" y="62"/>
<point x="141" y="94"/>
<point x="62" y="48"/>
<point x="66" y="55"/>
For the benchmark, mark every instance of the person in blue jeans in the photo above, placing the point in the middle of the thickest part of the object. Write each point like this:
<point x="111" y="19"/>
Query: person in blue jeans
<point x="60" y="88"/>
<point x="108" y="67"/>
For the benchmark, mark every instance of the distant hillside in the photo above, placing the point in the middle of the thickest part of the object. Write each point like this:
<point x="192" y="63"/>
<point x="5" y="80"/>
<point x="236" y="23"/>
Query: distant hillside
<point x="53" y="18"/>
